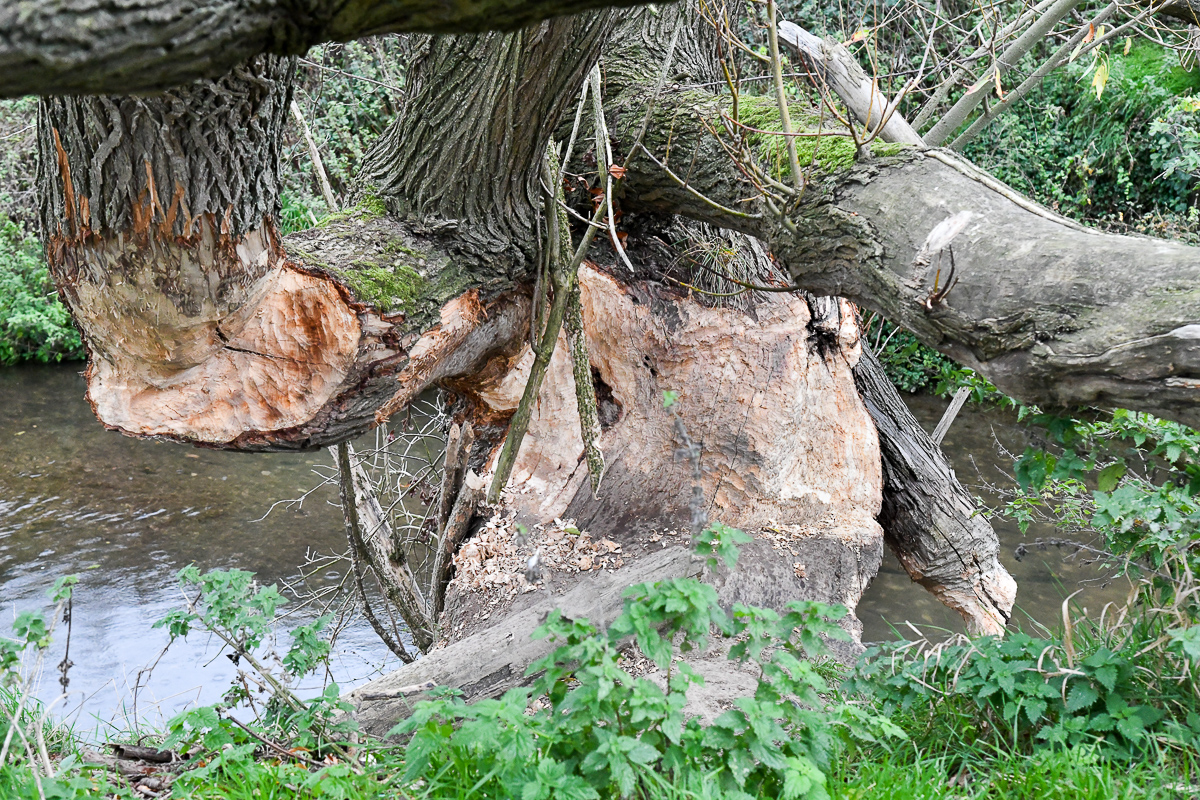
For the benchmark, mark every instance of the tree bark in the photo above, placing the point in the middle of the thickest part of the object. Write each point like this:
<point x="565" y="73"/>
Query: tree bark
<point x="140" y="46"/>
<point x="1051" y="312"/>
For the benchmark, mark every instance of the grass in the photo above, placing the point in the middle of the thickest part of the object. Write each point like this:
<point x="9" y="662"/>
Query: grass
<point x="1067" y="774"/>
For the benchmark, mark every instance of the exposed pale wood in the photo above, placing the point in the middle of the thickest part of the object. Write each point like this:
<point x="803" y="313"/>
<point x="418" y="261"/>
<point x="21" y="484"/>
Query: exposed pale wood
<point x="467" y="500"/>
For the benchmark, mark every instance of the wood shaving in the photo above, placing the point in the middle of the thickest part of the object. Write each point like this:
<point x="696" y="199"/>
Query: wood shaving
<point x="494" y="563"/>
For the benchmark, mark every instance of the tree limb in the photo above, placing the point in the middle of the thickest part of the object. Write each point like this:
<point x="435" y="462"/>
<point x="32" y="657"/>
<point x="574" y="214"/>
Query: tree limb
<point x="138" y="46"/>
<point x="928" y="519"/>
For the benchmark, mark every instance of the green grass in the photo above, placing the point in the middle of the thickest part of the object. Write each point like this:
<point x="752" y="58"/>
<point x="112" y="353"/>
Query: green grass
<point x="1069" y="774"/>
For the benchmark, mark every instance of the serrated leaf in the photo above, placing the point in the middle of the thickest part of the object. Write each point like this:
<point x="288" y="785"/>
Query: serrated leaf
<point x="1107" y="675"/>
<point x="1081" y="696"/>
<point x="1035" y="709"/>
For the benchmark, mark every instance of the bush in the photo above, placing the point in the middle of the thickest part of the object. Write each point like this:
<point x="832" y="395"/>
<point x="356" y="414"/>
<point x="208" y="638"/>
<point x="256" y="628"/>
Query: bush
<point x="34" y="325"/>
<point x="603" y="732"/>
<point x="1113" y="158"/>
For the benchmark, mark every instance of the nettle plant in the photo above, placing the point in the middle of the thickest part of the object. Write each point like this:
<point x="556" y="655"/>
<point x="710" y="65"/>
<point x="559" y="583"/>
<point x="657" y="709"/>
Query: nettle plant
<point x="589" y="728"/>
<point x="1018" y="694"/>
<point x="230" y="605"/>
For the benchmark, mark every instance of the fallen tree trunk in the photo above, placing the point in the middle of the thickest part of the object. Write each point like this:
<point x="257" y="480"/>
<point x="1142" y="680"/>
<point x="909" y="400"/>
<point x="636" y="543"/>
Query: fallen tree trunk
<point x="1051" y="312"/>
<point x="929" y="521"/>
<point x="494" y="660"/>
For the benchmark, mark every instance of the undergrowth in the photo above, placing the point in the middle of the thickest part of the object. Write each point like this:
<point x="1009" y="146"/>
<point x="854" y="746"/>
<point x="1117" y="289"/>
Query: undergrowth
<point x="34" y="324"/>
<point x="1100" y="710"/>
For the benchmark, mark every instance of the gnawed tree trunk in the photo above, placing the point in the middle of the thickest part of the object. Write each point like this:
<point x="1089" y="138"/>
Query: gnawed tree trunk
<point x="247" y="344"/>
<point x="159" y="224"/>
<point x="788" y="451"/>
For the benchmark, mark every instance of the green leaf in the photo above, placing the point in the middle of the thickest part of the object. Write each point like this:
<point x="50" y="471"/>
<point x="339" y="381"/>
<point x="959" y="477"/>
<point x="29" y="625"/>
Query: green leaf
<point x="1107" y="675"/>
<point x="1188" y="641"/>
<point x="1110" y="476"/>
<point x="1081" y="696"/>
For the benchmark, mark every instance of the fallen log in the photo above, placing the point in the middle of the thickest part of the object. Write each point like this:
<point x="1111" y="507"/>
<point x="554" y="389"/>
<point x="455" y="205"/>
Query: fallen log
<point x="494" y="660"/>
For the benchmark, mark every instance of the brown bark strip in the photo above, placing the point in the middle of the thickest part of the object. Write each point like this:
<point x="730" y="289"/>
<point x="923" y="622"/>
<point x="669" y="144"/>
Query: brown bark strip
<point x="928" y="519"/>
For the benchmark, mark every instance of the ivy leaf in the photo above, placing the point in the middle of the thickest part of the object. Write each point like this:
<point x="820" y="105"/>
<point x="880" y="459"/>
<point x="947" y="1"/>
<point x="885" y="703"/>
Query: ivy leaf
<point x="1110" y="476"/>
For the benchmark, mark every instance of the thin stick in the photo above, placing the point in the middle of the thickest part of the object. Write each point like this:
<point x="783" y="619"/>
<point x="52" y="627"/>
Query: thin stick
<point x="315" y="155"/>
<point x="785" y="119"/>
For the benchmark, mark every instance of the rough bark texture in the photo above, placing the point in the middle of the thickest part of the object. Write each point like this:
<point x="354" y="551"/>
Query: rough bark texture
<point x="466" y="156"/>
<point x="1051" y="312"/>
<point x="928" y="519"/>
<point x="96" y="47"/>
<point x="158" y="218"/>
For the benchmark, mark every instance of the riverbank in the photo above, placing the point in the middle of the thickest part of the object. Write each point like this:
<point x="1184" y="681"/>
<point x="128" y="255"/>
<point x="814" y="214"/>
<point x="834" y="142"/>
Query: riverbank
<point x="1101" y="712"/>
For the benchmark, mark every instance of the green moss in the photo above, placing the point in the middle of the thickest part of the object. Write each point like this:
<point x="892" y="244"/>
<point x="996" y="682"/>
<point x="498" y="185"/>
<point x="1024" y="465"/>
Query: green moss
<point x="394" y="288"/>
<point x="884" y="149"/>
<point x="828" y="153"/>
<point x="370" y="207"/>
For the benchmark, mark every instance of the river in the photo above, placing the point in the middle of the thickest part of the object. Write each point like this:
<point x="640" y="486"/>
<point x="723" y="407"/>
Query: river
<point x="126" y="515"/>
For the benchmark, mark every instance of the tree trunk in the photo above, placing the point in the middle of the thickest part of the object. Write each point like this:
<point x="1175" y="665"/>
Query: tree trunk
<point x="931" y="522"/>
<point x="202" y="328"/>
<point x="788" y="451"/>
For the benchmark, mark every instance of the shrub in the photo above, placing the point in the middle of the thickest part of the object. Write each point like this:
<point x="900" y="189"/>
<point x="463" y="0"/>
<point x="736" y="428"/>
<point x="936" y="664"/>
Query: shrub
<point x="33" y="323"/>
<point x="1101" y="158"/>
<point x="603" y="732"/>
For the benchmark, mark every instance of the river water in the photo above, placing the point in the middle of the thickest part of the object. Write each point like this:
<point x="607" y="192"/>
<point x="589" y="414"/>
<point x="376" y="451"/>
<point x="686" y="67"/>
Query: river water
<point x="126" y="515"/>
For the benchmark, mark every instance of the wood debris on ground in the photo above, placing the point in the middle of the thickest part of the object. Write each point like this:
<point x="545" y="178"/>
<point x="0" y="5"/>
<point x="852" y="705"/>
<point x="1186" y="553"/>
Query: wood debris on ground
<point x="495" y="564"/>
<point x="782" y="537"/>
